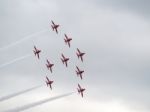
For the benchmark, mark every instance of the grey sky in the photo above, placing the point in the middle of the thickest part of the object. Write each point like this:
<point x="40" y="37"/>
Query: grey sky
<point x="140" y="7"/>
<point x="113" y="33"/>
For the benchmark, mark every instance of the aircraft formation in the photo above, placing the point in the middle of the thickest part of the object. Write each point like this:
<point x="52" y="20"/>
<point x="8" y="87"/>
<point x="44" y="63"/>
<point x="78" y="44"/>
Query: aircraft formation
<point x="64" y="59"/>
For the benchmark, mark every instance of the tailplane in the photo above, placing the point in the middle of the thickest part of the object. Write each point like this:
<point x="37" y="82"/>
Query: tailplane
<point x="52" y="27"/>
<point x="34" y="53"/>
<point x="78" y="90"/>
<point x="77" y="55"/>
<point x="62" y="60"/>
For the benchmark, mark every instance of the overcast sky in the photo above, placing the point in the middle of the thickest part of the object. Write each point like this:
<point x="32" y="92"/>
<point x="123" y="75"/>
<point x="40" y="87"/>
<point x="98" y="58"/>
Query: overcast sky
<point x="115" y="34"/>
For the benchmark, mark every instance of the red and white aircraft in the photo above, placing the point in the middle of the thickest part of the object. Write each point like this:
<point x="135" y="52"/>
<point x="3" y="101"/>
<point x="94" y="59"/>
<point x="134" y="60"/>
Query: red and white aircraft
<point x="36" y="52"/>
<point x="49" y="65"/>
<point x="80" y="90"/>
<point x="79" y="72"/>
<point x="67" y="40"/>
<point x="80" y="54"/>
<point x="54" y="27"/>
<point x="64" y="60"/>
<point x="49" y="82"/>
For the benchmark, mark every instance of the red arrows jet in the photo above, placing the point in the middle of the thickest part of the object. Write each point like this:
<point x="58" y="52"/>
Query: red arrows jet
<point x="49" y="65"/>
<point x="49" y="82"/>
<point x="80" y="90"/>
<point x="54" y="27"/>
<point x="64" y="59"/>
<point x="80" y="54"/>
<point x="67" y="40"/>
<point x="36" y="52"/>
<point x="79" y="72"/>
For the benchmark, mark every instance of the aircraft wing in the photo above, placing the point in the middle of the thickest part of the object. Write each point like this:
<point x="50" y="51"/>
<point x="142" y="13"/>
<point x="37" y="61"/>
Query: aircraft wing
<point x="48" y="61"/>
<point x="81" y="58"/>
<point x="81" y="76"/>
<point x="51" y="69"/>
<point x="38" y="55"/>
<point x="50" y="86"/>
<point x="56" y="30"/>
<point x="82" y="94"/>
<point x="47" y="78"/>
<point x="79" y="86"/>
<point x="69" y="44"/>
<point x="63" y="56"/>
<point x="77" y="68"/>
<point x="53" y="23"/>
<point x="35" y="48"/>
<point x="66" y="63"/>
<point x="78" y="50"/>
<point x="66" y="37"/>
<point x="46" y="83"/>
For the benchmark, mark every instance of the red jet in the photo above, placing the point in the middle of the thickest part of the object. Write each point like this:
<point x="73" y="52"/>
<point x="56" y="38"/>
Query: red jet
<point x="49" y="65"/>
<point x="36" y="52"/>
<point x="67" y="40"/>
<point x="54" y="27"/>
<point x="80" y="54"/>
<point x="80" y="90"/>
<point x="79" y="72"/>
<point x="64" y="59"/>
<point x="49" y="82"/>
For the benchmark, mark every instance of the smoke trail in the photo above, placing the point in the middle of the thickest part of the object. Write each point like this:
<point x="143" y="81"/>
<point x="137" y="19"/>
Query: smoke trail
<point x="22" y="40"/>
<point x="25" y="107"/>
<point x="15" y="60"/>
<point x="18" y="93"/>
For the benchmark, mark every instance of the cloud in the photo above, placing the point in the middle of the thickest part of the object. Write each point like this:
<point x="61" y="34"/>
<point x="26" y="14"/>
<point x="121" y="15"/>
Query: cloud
<point x="22" y="39"/>
<point x="15" y="60"/>
<point x="28" y="106"/>
<point x="114" y="35"/>
<point x="138" y="7"/>
<point x="18" y="93"/>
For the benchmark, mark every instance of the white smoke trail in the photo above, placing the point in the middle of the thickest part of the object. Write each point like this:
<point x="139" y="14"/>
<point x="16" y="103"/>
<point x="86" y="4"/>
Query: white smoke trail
<point x="23" y="39"/>
<point x="15" y="60"/>
<point x="18" y="93"/>
<point x="25" y="107"/>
